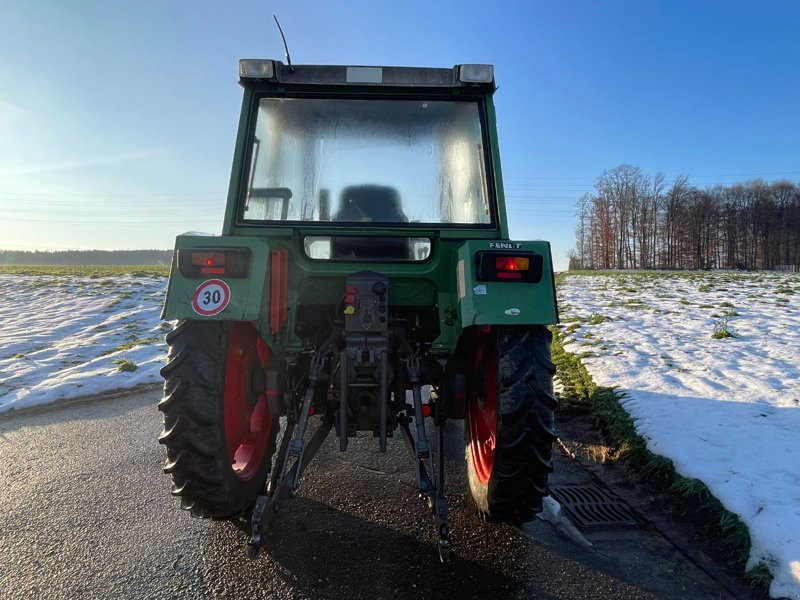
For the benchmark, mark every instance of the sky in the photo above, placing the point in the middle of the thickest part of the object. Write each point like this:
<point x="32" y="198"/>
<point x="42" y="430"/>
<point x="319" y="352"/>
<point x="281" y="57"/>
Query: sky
<point x="118" y="118"/>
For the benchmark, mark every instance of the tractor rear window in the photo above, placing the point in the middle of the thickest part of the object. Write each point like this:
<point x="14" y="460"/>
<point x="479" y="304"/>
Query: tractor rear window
<point x="367" y="161"/>
<point x="383" y="249"/>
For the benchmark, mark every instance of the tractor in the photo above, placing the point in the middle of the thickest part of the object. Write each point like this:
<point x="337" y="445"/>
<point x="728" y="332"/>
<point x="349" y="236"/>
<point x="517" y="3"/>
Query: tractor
<point x="364" y="283"/>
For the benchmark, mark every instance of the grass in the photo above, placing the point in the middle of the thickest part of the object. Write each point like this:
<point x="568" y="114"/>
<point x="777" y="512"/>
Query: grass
<point x="130" y="344"/>
<point x="721" y="330"/>
<point x="578" y="384"/>
<point x="759" y="576"/>
<point x="603" y="403"/>
<point x="596" y="319"/>
<point x="92" y="271"/>
<point x="634" y="303"/>
<point x="125" y="366"/>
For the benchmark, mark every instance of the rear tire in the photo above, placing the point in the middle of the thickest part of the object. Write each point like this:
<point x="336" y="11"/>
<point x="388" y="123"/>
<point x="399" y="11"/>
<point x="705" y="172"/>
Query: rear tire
<point x="218" y="432"/>
<point x="510" y="422"/>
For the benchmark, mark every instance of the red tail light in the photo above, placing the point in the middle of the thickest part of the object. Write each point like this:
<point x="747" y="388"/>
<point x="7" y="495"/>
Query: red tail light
<point x="209" y="263"/>
<point x="233" y="263"/>
<point x="511" y="263"/>
<point x="509" y="266"/>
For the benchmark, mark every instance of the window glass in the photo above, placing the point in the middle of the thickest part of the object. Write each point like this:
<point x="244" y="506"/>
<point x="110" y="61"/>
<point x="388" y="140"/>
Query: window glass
<point x="367" y="161"/>
<point x="324" y="247"/>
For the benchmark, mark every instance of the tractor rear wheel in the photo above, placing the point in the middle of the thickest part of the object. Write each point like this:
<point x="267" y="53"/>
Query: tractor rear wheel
<point x="510" y="422"/>
<point x="218" y="431"/>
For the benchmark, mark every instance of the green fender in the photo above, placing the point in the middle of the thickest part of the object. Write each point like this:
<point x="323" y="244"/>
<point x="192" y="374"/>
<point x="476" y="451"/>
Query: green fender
<point x="505" y="302"/>
<point x="248" y="296"/>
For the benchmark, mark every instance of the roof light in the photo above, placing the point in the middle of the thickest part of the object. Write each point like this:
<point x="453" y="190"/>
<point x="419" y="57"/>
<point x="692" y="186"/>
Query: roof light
<point x="476" y="73"/>
<point x="254" y="68"/>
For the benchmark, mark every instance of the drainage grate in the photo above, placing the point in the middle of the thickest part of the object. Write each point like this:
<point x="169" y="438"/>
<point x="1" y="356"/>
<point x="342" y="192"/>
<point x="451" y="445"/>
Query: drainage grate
<point x="591" y="507"/>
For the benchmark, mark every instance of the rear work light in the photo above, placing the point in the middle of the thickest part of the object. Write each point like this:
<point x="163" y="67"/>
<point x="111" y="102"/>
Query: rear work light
<point x="195" y="263"/>
<point x="255" y="68"/>
<point x="476" y="73"/>
<point x="509" y="266"/>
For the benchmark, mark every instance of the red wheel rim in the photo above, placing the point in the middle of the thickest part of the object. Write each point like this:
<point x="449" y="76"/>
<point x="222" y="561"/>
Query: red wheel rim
<point x="482" y="414"/>
<point x="248" y="422"/>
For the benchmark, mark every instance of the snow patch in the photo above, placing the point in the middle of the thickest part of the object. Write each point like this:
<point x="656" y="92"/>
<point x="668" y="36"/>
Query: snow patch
<point x="61" y="336"/>
<point x="552" y="513"/>
<point x="726" y="411"/>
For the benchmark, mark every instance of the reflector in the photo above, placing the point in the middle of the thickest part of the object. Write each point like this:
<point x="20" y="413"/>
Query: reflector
<point x="509" y="275"/>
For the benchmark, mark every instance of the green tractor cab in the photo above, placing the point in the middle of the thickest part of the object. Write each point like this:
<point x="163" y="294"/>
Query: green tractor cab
<point x="364" y="280"/>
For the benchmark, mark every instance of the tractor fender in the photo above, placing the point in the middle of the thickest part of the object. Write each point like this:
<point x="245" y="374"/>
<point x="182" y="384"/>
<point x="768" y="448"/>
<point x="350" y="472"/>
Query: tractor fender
<point x="219" y="293"/>
<point x="485" y="300"/>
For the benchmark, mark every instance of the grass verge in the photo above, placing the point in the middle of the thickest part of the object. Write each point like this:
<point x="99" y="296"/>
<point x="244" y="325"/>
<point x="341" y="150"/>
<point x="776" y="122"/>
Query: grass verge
<point x="582" y="394"/>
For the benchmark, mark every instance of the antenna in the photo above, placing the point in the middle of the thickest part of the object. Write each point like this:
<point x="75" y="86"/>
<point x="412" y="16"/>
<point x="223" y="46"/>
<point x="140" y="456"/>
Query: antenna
<point x="285" y="46"/>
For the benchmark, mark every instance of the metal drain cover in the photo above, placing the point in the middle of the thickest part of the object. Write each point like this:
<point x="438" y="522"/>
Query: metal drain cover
<point x="589" y="506"/>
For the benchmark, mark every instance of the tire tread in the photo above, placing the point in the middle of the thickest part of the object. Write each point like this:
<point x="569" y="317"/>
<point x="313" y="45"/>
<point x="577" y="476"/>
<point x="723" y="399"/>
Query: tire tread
<point x="193" y="432"/>
<point x="525" y="427"/>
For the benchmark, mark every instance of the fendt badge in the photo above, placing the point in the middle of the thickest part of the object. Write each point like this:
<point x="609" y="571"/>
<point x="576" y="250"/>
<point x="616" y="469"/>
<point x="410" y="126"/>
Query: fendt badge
<point x="505" y="245"/>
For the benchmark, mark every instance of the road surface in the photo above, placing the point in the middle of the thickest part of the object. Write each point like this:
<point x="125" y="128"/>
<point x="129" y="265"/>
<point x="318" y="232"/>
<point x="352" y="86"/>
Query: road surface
<point x="85" y="512"/>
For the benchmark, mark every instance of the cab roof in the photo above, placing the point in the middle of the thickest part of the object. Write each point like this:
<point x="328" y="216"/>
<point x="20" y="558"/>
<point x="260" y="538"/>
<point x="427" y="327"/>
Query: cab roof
<point x="267" y="71"/>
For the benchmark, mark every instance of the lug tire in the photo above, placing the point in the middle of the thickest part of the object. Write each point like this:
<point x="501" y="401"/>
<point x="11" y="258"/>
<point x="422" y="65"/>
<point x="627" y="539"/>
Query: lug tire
<point x="194" y="408"/>
<point x="508" y="478"/>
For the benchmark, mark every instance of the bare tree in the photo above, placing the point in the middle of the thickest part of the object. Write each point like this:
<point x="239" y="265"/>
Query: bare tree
<point x="634" y="221"/>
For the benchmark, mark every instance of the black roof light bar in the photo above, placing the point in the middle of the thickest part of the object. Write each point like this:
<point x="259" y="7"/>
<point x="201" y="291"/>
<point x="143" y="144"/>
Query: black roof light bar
<point x="254" y="70"/>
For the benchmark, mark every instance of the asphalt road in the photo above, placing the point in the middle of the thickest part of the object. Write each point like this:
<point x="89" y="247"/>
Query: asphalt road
<point x="85" y="512"/>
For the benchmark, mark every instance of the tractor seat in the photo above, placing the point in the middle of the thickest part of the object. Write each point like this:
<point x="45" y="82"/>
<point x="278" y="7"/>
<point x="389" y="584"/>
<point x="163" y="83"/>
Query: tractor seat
<point x="370" y="204"/>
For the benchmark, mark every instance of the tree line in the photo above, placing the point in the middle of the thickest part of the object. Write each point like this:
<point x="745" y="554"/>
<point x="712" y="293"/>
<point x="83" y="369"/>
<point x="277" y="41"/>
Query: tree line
<point x="634" y="221"/>
<point x="86" y="257"/>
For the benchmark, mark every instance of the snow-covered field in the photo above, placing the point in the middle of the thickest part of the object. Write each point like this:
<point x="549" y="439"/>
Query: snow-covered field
<point x="726" y="410"/>
<point x="63" y="336"/>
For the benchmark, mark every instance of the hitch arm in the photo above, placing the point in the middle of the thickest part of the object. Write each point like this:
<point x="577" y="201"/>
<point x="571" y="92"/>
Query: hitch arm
<point x="267" y="504"/>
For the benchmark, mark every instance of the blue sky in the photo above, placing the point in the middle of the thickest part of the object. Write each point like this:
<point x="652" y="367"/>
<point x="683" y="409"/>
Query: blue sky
<point x="117" y="119"/>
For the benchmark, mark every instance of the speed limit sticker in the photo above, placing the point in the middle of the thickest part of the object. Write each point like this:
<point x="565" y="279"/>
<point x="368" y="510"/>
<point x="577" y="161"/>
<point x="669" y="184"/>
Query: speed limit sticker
<point x="211" y="297"/>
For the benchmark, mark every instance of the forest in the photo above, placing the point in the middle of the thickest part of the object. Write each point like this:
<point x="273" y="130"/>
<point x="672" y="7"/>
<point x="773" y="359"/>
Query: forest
<point x="636" y="221"/>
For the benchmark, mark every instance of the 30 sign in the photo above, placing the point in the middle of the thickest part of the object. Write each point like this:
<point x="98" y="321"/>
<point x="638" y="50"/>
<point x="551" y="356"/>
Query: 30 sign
<point x="211" y="297"/>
